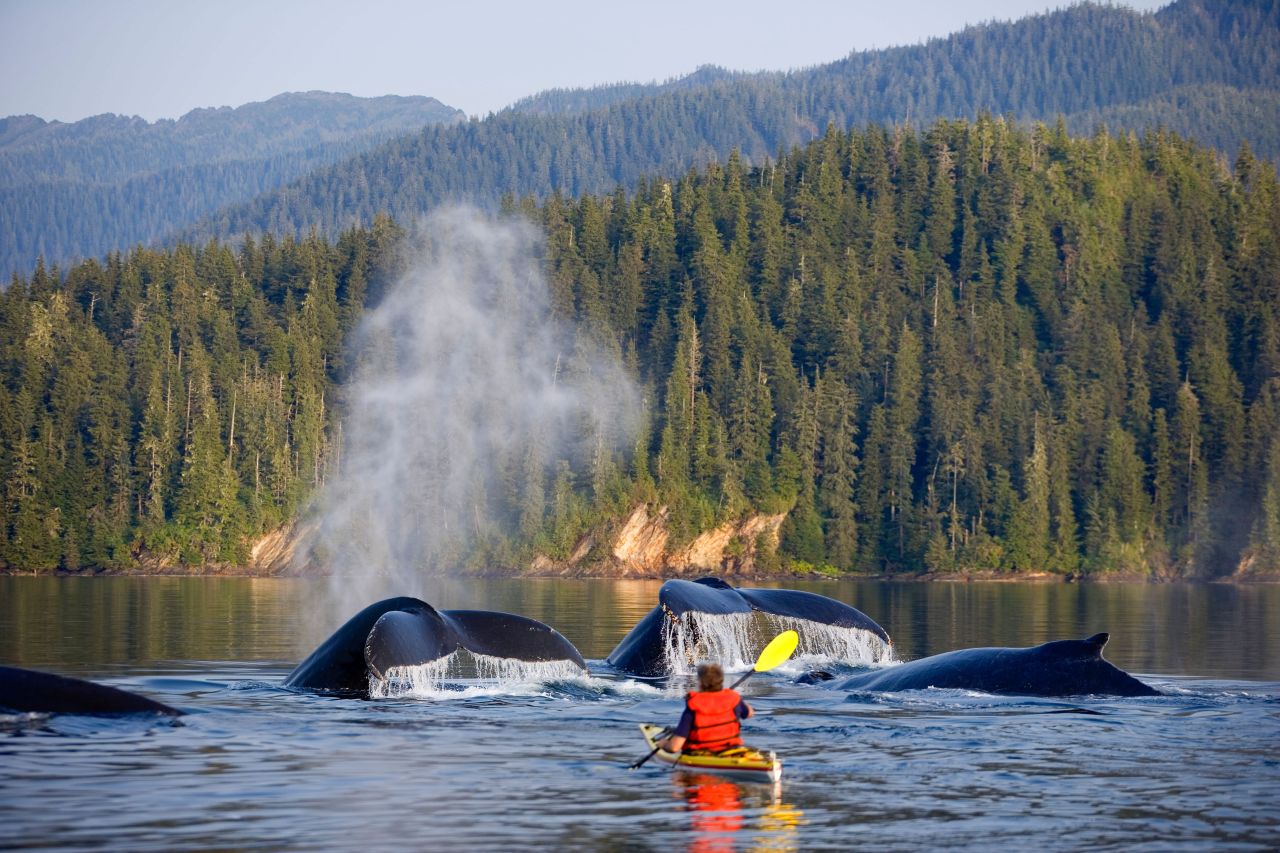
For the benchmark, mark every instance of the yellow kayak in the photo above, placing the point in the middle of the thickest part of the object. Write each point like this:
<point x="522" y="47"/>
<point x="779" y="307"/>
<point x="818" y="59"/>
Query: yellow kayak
<point x="744" y="765"/>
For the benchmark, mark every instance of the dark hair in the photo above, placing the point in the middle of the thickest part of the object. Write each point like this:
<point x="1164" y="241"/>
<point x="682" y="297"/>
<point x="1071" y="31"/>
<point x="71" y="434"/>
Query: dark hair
<point x="710" y="677"/>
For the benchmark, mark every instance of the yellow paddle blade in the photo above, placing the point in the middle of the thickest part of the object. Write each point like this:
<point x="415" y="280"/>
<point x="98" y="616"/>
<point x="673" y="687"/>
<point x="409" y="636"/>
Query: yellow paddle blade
<point x="778" y="650"/>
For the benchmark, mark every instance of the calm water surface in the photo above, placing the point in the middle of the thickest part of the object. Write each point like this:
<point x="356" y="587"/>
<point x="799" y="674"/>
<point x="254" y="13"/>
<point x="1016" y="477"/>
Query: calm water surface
<point x="542" y="764"/>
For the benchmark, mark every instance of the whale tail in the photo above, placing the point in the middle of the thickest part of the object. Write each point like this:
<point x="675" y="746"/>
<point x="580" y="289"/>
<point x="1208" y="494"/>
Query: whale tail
<point x="507" y="635"/>
<point x="406" y="632"/>
<point x="406" y="638"/>
<point x="644" y="651"/>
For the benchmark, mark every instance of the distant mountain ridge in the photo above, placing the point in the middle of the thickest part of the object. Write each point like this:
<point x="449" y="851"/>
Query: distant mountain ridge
<point x="1206" y="69"/>
<point x="109" y="182"/>
<point x="107" y="147"/>
<point x="1215" y="115"/>
<point x="569" y="101"/>
<point x="1088" y="63"/>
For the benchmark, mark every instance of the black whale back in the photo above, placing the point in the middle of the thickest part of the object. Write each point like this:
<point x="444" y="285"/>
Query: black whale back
<point x="1058" y="668"/>
<point x="27" y="690"/>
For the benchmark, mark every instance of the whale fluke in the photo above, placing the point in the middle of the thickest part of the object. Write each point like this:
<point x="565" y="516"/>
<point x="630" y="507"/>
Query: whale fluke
<point x="642" y="651"/>
<point x="508" y="635"/>
<point x="27" y="690"/>
<point x="339" y="665"/>
<point x="705" y="595"/>
<point x="405" y="632"/>
<point x="406" y="638"/>
<point x="809" y="605"/>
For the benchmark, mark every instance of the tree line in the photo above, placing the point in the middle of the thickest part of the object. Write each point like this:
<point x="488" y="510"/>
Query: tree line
<point x="1208" y="69"/>
<point x="978" y="346"/>
<point x="70" y="191"/>
<point x="1209" y="66"/>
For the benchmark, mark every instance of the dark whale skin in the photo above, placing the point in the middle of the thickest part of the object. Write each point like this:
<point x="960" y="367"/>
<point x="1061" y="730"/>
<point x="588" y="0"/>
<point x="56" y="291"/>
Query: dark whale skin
<point x="30" y="691"/>
<point x="640" y="652"/>
<point x="406" y="631"/>
<point x="1058" y="668"/>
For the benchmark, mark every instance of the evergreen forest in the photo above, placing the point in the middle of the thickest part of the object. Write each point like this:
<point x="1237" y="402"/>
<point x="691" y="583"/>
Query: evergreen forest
<point x="1208" y="69"/>
<point x="977" y="346"/>
<point x="71" y="191"/>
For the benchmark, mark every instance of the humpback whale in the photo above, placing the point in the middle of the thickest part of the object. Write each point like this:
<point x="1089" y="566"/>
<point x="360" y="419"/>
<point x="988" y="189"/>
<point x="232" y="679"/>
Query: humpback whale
<point x="642" y="652"/>
<point x="403" y="631"/>
<point x="26" y="690"/>
<point x="1058" y="668"/>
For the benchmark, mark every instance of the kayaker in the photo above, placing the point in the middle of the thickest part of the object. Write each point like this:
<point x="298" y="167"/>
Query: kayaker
<point x="711" y="714"/>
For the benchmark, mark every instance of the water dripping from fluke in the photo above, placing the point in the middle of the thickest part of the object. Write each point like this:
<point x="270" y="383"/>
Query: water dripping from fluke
<point x="707" y="619"/>
<point x="465" y="673"/>
<point x="734" y="640"/>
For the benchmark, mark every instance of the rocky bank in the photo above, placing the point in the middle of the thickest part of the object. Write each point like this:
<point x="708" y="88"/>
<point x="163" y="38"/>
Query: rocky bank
<point x="642" y="548"/>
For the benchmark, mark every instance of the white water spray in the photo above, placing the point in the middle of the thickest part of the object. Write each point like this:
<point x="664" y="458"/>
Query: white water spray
<point x="470" y="402"/>
<point x="734" y="640"/>
<point x="483" y="675"/>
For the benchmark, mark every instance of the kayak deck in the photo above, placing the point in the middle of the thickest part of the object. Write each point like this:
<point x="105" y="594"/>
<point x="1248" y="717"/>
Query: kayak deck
<point x="754" y="766"/>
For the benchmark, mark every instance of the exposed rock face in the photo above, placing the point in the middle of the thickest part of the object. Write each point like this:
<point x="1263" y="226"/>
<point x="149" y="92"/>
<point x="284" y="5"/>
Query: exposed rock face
<point x="642" y="541"/>
<point x="1253" y="568"/>
<point x="641" y="548"/>
<point x="273" y="552"/>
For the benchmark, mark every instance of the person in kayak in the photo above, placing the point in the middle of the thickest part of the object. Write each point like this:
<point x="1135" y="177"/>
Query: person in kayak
<point x="710" y="719"/>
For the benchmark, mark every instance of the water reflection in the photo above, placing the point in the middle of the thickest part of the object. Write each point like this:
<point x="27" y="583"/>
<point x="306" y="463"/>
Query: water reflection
<point x="725" y="815"/>
<point x="1221" y="630"/>
<point x="97" y="625"/>
<point x="715" y="812"/>
<point x="780" y="827"/>
<point x="257" y="767"/>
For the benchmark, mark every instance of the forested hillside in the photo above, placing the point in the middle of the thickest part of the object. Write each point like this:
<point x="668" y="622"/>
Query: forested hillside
<point x="1213" y="115"/>
<point x="70" y="191"/>
<point x="976" y="347"/>
<point x="1215" y="62"/>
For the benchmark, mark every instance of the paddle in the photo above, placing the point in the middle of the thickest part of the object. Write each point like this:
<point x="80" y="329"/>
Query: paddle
<point x="780" y="648"/>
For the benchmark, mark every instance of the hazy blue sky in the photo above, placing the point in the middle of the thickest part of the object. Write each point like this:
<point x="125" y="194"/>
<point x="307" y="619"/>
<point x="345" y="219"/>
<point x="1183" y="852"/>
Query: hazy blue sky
<point x="68" y="59"/>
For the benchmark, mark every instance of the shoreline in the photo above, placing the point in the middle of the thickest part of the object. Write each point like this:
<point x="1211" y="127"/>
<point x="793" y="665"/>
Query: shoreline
<point x="735" y="577"/>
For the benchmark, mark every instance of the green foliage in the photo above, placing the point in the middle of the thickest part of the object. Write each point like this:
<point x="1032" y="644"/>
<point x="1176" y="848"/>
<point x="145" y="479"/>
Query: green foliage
<point x="1211" y="65"/>
<point x="165" y="404"/>
<point x="977" y="347"/>
<point x="69" y="191"/>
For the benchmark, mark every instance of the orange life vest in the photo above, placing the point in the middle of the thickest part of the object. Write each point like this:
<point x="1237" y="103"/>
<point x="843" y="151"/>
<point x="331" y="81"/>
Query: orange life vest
<point x="715" y="720"/>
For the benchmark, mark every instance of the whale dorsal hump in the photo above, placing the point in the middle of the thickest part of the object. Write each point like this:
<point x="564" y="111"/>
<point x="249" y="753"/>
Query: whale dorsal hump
<point x="1089" y="648"/>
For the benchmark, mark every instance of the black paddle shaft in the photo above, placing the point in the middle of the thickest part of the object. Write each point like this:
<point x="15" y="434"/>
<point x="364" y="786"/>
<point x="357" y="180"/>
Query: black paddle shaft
<point x="636" y="765"/>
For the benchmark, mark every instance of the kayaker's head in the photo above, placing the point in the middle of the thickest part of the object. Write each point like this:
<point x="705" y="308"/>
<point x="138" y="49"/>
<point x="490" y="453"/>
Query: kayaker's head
<point x="710" y="677"/>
